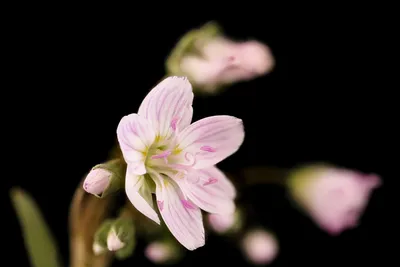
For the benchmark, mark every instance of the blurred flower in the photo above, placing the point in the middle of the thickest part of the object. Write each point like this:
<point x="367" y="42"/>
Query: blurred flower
<point x="335" y="198"/>
<point x="260" y="246"/>
<point x="211" y="60"/>
<point x="98" y="248"/>
<point x="223" y="223"/>
<point x="174" y="159"/>
<point x="97" y="181"/>
<point x="161" y="252"/>
<point x="105" y="178"/>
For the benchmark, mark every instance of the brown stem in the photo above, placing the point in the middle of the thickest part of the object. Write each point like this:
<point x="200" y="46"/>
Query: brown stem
<point x="87" y="213"/>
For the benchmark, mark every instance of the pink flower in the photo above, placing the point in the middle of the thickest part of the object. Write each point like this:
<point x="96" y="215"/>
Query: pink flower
<point x="222" y="223"/>
<point x="174" y="159"/>
<point x="260" y="247"/>
<point x="160" y="252"/>
<point x="223" y="61"/>
<point x="335" y="198"/>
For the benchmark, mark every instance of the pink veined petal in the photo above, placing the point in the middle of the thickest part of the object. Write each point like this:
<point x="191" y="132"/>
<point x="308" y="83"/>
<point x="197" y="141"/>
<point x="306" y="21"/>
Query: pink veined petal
<point x="211" y="139"/>
<point x="135" y="135"/>
<point x="139" y="194"/>
<point x="168" y="106"/>
<point x="209" y="189"/>
<point x="181" y="216"/>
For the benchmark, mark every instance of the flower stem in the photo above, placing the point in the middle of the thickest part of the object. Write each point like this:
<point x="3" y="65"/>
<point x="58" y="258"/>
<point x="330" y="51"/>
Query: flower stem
<point x="264" y="175"/>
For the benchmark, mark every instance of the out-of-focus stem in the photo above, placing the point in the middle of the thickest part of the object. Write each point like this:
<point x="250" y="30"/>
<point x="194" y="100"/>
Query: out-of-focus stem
<point x="86" y="215"/>
<point x="264" y="175"/>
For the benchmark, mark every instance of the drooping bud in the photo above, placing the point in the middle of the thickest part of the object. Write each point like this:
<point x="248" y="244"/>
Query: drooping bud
<point x="121" y="237"/>
<point x="162" y="252"/>
<point x="335" y="198"/>
<point x="105" y="179"/>
<point x="260" y="247"/>
<point x="224" y="223"/>
<point x="100" y="237"/>
<point x="212" y="61"/>
<point x="97" y="181"/>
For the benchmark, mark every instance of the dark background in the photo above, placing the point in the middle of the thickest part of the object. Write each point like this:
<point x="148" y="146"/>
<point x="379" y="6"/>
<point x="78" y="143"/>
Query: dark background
<point x="74" y="75"/>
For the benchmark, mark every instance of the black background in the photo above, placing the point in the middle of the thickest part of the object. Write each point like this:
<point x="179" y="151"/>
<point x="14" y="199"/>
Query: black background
<point x="72" y="75"/>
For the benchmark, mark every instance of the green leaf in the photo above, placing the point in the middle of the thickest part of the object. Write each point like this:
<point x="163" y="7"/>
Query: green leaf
<point x="39" y="242"/>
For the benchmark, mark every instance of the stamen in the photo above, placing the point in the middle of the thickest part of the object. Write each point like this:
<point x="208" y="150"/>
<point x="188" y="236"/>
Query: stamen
<point x="208" y="149"/>
<point x="185" y="168"/>
<point x="210" y="181"/>
<point x="162" y="155"/>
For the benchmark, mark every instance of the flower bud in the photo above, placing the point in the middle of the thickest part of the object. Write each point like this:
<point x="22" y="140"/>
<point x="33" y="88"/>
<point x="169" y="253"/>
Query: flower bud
<point x="260" y="247"/>
<point x="162" y="252"/>
<point x="105" y="179"/>
<point x="121" y="237"/>
<point x="113" y="242"/>
<point x="100" y="237"/>
<point x="97" y="181"/>
<point x="335" y="198"/>
<point x="212" y="61"/>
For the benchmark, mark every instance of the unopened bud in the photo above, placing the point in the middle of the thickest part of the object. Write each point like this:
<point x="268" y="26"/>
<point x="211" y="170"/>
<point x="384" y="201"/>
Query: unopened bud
<point x="260" y="247"/>
<point x="97" y="181"/>
<point x="100" y="237"/>
<point x="121" y="238"/>
<point x="162" y="252"/>
<point x="113" y="242"/>
<point x="105" y="178"/>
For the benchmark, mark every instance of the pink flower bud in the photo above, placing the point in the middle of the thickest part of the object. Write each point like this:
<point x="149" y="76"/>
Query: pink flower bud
<point x="260" y="247"/>
<point x="334" y="198"/>
<point x="97" y="181"/>
<point x="221" y="223"/>
<point x="113" y="242"/>
<point x="159" y="252"/>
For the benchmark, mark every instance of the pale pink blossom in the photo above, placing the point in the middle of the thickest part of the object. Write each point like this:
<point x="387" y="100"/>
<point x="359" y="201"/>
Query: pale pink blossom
<point x="97" y="181"/>
<point x="222" y="223"/>
<point x="174" y="159"/>
<point x="335" y="198"/>
<point x="224" y="61"/>
<point x="260" y="247"/>
<point x="159" y="252"/>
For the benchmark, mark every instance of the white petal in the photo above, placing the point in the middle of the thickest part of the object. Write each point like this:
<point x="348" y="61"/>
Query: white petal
<point x="135" y="135"/>
<point x="168" y="106"/>
<point x="209" y="189"/>
<point x="181" y="216"/>
<point x="139" y="193"/>
<point x="211" y="139"/>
